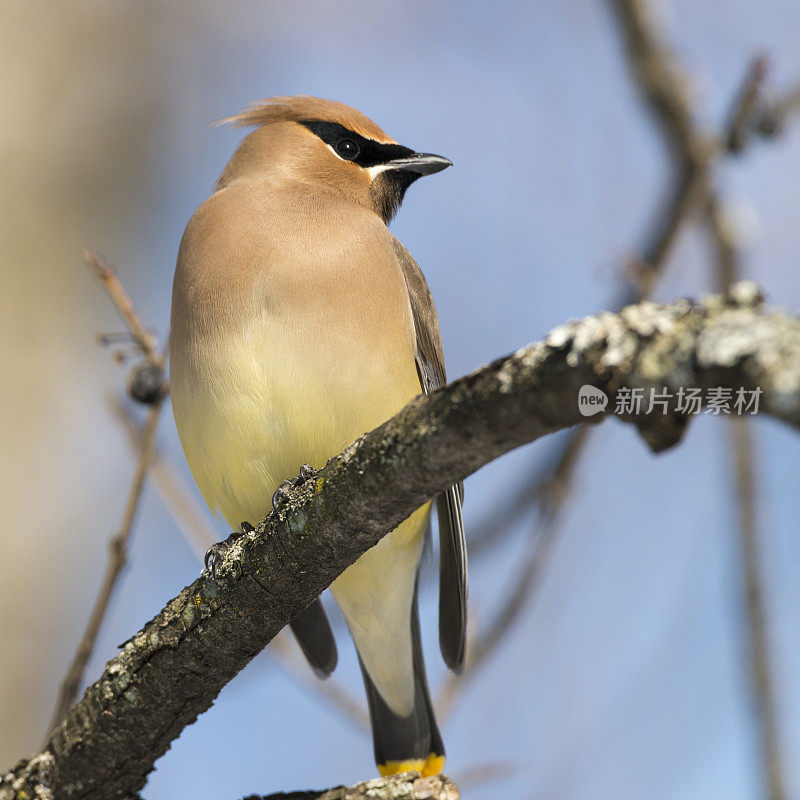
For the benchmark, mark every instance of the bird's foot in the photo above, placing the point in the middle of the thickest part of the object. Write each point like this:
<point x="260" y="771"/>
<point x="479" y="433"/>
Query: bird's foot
<point x="282" y="492"/>
<point x="216" y="553"/>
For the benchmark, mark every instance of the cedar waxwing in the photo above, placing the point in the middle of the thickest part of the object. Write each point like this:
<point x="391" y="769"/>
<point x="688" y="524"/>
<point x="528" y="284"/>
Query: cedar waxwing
<point x="299" y="322"/>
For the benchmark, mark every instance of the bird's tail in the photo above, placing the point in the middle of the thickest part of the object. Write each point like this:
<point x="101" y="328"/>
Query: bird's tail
<point x="412" y="742"/>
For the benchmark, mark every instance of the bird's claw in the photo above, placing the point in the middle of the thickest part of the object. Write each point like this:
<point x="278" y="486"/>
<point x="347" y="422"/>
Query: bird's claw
<point x="214" y="556"/>
<point x="216" y="553"/>
<point x="306" y="472"/>
<point x="282" y="492"/>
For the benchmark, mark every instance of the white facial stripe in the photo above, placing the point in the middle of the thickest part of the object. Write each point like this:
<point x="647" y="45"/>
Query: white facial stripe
<point x="371" y="171"/>
<point x="377" y="169"/>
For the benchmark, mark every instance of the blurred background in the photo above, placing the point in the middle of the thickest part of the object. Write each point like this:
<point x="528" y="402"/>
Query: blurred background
<point x="625" y="673"/>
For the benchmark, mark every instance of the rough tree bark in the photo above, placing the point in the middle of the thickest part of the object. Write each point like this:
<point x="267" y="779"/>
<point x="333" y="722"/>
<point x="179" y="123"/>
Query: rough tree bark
<point x="171" y="671"/>
<point x="408" y="786"/>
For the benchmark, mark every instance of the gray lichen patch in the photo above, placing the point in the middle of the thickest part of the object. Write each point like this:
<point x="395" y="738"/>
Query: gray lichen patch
<point x="188" y="615"/>
<point x="746" y="293"/>
<point x="31" y="780"/>
<point x="733" y="338"/>
<point x="297" y="521"/>
<point x="406" y="786"/>
<point x="651" y="344"/>
<point x="647" y="318"/>
<point x="560" y="337"/>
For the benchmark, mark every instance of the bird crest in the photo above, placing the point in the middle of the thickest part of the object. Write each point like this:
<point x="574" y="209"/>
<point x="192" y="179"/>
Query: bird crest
<point x="303" y="109"/>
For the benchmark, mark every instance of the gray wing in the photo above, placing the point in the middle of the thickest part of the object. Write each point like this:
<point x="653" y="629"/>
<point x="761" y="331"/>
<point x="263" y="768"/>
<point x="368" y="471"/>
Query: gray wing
<point x="452" y="544"/>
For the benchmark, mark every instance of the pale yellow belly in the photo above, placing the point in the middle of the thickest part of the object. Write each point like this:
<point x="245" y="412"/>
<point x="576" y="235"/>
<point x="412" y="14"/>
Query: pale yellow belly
<point x="255" y="414"/>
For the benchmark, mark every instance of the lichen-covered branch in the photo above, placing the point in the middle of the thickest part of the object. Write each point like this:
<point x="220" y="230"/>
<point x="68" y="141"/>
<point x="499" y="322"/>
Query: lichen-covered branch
<point x="172" y="670"/>
<point x="408" y="786"/>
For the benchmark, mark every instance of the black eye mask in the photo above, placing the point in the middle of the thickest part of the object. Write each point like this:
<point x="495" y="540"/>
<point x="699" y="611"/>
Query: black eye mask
<point x="366" y="153"/>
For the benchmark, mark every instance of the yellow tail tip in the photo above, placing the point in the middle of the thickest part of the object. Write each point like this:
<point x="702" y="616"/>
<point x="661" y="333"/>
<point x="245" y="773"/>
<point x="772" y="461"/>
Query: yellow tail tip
<point x="432" y="765"/>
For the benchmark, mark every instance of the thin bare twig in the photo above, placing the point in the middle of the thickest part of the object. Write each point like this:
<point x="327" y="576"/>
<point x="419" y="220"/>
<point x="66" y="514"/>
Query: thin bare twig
<point x="771" y="118"/>
<point x="104" y="272"/>
<point x="750" y="546"/>
<point x="286" y="655"/>
<point x="659" y="75"/>
<point x="191" y="518"/>
<point x="746" y="106"/>
<point x="117" y="558"/>
<point x="758" y="643"/>
<point x="481" y="774"/>
<point x="118" y="546"/>
<point x="546" y="489"/>
<point x="674" y="212"/>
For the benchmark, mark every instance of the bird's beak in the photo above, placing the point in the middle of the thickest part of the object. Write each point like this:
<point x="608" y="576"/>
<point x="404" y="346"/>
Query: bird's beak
<point x="420" y="163"/>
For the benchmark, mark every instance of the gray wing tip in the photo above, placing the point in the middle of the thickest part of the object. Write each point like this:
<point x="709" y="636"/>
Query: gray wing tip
<point x="454" y="654"/>
<point x="452" y="581"/>
<point x="315" y="637"/>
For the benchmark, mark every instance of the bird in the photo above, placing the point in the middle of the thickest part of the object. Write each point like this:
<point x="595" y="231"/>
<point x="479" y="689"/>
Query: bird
<point x="300" y="322"/>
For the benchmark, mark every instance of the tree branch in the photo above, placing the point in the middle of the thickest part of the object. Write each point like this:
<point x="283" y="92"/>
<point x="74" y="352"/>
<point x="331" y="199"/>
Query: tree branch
<point x="408" y="786"/>
<point x="172" y="670"/>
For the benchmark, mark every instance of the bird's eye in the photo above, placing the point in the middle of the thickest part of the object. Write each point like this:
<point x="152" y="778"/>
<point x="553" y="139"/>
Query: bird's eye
<point x="347" y="149"/>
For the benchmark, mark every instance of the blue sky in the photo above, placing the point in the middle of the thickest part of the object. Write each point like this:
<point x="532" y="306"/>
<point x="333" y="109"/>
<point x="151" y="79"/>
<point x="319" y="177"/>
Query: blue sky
<point x="625" y="677"/>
